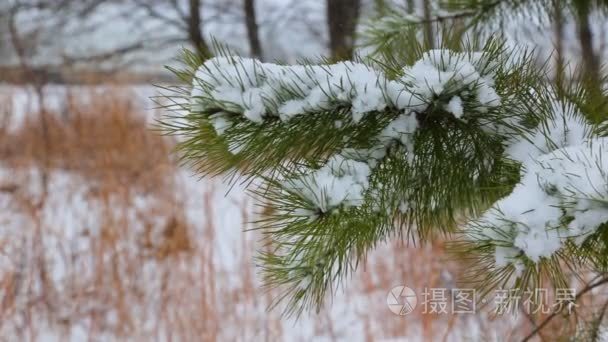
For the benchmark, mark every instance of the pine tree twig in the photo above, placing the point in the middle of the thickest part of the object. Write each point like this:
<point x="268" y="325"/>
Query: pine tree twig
<point x="547" y="320"/>
<point x="360" y="152"/>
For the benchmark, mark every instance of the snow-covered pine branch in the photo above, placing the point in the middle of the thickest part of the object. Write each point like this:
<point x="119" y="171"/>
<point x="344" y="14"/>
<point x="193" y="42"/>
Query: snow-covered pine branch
<point x="259" y="90"/>
<point x="562" y="196"/>
<point x="560" y="203"/>
<point x="355" y="153"/>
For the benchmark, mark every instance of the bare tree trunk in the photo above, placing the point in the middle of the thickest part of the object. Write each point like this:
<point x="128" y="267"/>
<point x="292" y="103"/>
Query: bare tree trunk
<point x="428" y="25"/>
<point x="411" y="6"/>
<point x="255" y="47"/>
<point x="591" y="62"/>
<point x="590" y="59"/>
<point x="195" y="34"/>
<point x="559" y="44"/>
<point x="342" y="17"/>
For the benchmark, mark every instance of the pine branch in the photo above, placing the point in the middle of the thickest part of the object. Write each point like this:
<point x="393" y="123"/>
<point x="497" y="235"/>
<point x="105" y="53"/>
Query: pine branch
<point x="407" y="142"/>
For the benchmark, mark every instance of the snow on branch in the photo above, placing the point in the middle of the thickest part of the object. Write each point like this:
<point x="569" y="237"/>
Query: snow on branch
<point x="350" y="154"/>
<point x="562" y="196"/>
<point x="260" y="90"/>
<point x="566" y="126"/>
<point x="232" y="88"/>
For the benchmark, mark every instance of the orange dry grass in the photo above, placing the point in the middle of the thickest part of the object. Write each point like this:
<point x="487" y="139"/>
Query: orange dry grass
<point x="102" y="135"/>
<point x="141" y="271"/>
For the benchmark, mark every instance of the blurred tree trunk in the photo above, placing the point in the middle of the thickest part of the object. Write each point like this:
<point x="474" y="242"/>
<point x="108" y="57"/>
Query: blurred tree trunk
<point x="585" y="36"/>
<point x="195" y="34"/>
<point x="342" y="17"/>
<point x="591" y="62"/>
<point x="559" y="44"/>
<point x="411" y="6"/>
<point x="255" y="47"/>
<point x="428" y="25"/>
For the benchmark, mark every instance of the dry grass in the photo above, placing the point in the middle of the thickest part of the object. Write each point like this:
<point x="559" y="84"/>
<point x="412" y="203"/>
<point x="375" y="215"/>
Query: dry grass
<point x="101" y="135"/>
<point x="131" y="263"/>
<point x="123" y="245"/>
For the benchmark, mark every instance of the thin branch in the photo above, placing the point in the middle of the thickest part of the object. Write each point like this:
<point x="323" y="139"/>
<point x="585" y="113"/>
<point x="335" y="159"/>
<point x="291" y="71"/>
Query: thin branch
<point x="547" y="320"/>
<point x="152" y="12"/>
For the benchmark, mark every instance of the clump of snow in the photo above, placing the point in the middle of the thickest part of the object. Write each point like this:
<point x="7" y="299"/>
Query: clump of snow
<point x="258" y="90"/>
<point x="563" y="195"/>
<point x="401" y="129"/>
<point x="439" y="70"/>
<point x="566" y="127"/>
<point x="220" y="122"/>
<point x="455" y="107"/>
<point x="344" y="179"/>
<point x="340" y="182"/>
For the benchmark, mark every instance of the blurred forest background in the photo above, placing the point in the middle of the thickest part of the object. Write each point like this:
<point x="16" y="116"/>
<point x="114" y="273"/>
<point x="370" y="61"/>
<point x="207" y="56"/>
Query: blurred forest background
<point x="104" y="236"/>
<point x="69" y="41"/>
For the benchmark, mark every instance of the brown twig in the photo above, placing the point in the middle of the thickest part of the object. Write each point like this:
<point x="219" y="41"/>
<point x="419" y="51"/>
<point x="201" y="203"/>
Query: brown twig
<point x="547" y="320"/>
